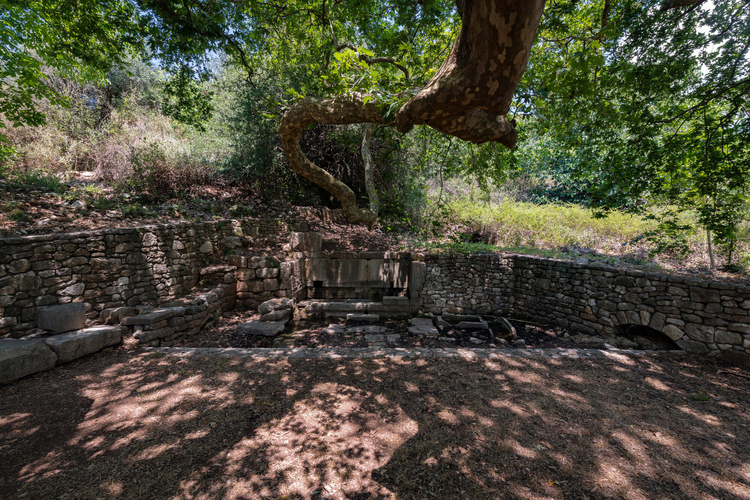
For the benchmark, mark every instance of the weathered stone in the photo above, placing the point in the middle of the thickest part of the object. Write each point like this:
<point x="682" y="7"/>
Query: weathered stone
<point x="62" y="318"/>
<point x="231" y="242"/>
<point x="70" y="346"/>
<point x="700" y="333"/>
<point x="267" y="272"/>
<point x="693" y="346"/>
<point x="73" y="290"/>
<point x="724" y="337"/>
<point x="673" y="332"/>
<point x="396" y="301"/>
<point x="740" y="327"/>
<point x="417" y="277"/>
<point x="270" y="285"/>
<point x="19" y="358"/>
<point x="264" y="328"/>
<point x="206" y="247"/>
<point x="423" y="327"/>
<point x="275" y="315"/>
<point x="306" y="242"/>
<point x="473" y="325"/>
<point x="149" y="318"/>
<point x="275" y="305"/>
<point x="148" y="336"/>
<point x="362" y="318"/>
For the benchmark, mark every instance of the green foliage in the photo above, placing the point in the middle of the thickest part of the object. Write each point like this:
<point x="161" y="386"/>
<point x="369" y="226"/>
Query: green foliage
<point x="41" y="180"/>
<point x="186" y="101"/>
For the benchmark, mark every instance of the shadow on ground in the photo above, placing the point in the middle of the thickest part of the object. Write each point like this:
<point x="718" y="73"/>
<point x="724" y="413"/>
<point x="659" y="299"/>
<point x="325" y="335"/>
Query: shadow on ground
<point x="138" y="425"/>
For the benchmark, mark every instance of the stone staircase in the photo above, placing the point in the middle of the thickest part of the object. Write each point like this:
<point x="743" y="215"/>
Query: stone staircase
<point x="357" y="310"/>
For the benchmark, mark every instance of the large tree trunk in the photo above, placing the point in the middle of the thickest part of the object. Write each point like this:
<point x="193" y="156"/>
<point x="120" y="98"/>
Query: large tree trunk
<point x="469" y="96"/>
<point x="471" y="93"/>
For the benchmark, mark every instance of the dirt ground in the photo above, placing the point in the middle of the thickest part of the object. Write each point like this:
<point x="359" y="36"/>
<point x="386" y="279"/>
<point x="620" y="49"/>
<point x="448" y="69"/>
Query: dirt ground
<point x="134" y="424"/>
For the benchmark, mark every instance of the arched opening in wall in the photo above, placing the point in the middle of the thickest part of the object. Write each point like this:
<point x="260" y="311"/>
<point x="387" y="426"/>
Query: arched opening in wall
<point x="647" y="338"/>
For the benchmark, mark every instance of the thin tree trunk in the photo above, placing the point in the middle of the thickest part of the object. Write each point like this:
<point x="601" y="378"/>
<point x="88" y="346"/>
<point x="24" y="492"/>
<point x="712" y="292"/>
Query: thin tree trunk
<point x="710" y="249"/>
<point x="372" y="194"/>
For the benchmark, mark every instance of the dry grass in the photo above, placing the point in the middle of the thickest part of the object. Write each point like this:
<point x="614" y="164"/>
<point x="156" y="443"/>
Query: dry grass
<point x="137" y="425"/>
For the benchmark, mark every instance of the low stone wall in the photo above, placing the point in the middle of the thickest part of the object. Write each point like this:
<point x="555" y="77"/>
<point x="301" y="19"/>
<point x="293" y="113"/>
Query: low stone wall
<point x="260" y="278"/>
<point x="116" y="267"/>
<point x="699" y="315"/>
<point x="481" y="284"/>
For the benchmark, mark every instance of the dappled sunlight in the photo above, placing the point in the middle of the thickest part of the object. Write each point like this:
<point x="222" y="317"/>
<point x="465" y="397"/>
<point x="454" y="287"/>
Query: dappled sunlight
<point x="205" y="427"/>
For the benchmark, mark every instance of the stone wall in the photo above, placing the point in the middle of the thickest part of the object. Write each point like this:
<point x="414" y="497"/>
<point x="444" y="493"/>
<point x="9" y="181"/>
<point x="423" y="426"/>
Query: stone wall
<point x="481" y="284"/>
<point x="699" y="315"/>
<point x="117" y="267"/>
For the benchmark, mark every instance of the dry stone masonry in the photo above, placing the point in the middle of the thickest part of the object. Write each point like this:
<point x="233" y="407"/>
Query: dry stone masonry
<point x="117" y="267"/>
<point x="60" y="283"/>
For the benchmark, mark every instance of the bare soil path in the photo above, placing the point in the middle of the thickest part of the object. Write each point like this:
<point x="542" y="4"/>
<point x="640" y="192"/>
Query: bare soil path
<point x="140" y="424"/>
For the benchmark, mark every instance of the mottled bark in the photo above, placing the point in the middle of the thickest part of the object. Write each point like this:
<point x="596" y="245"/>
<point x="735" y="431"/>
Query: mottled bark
<point x="340" y="110"/>
<point x="372" y="193"/>
<point x="471" y="93"/>
<point x="468" y="97"/>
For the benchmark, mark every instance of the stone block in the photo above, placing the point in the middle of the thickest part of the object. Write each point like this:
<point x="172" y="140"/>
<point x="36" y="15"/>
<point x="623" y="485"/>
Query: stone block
<point x="267" y="272"/>
<point x="149" y="318"/>
<point x="19" y="358"/>
<point x="362" y="318"/>
<point x="693" y="346"/>
<point x="264" y="328"/>
<point x="423" y="327"/>
<point x="275" y="315"/>
<point x="725" y="337"/>
<point x="396" y="301"/>
<point x="275" y="305"/>
<point x="62" y="318"/>
<point x="673" y="332"/>
<point x="70" y="346"/>
<point x="306" y="242"/>
<point x="270" y="284"/>
<point x="151" y="335"/>
<point x="700" y="333"/>
<point x="417" y="277"/>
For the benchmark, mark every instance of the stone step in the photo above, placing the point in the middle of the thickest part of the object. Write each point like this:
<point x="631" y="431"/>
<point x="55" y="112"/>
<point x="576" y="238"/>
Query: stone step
<point x="311" y="309"/>
<point x="70" y="346"/>
<point x="362" y="318"/>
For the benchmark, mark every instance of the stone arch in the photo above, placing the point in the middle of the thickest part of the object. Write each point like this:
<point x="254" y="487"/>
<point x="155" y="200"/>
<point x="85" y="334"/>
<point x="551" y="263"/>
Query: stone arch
<point x="647" y="337"/>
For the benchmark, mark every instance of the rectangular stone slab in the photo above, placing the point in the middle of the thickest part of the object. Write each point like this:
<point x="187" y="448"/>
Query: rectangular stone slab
<point x="149" y="318"/>
<point x="19" y="358"/>
<point x="62" y="318"/>
<point x="70" y="346"/>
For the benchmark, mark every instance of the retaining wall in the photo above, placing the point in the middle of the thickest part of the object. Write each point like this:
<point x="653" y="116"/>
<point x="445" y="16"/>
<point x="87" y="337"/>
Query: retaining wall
<point x="699" y="315"/>
<point x="116" y="267"/>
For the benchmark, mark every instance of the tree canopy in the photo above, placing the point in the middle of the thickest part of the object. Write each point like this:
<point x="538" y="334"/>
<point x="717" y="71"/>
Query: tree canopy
<point x="650" y="95"/>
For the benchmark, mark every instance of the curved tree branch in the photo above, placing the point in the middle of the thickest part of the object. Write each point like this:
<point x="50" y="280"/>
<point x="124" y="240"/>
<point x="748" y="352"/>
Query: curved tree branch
<point x="471" y="93"/>
<point x="339" y="110"/>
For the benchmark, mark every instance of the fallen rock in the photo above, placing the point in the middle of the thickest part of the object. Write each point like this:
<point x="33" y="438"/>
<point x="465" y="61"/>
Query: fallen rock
<point x="70" y="346"/>
<point x="519" y="343"/>
<point x="474" y="340"/>
<point x="19" y="358"/>
<point x="503" y="328"/>
<point x="275" y="305"/>
<point x="473" y="325"/>
<point x="423" y="327"/>
<point x="275" y="315"/>
<point x="334" y="329"/>
<point x="62" y="318"/>
<point x="264" y="328"/>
